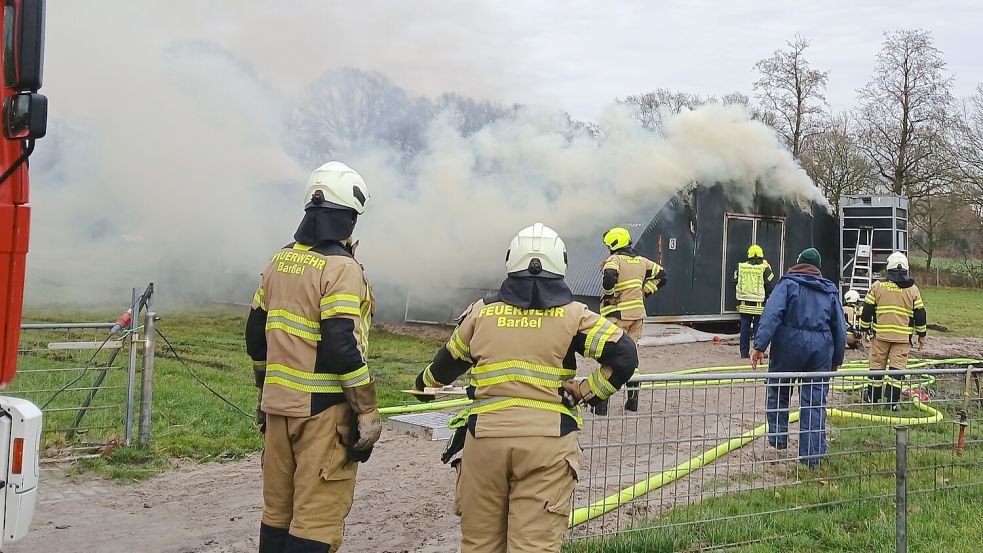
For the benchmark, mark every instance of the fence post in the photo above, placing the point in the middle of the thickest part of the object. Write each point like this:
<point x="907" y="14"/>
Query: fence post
<point x="901" y="489"/>
<point x="131" y="373"/>
<point x="147" y="384"/>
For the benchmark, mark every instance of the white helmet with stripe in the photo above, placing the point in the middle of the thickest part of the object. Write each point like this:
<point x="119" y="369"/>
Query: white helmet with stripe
<point x="537" y="249"/>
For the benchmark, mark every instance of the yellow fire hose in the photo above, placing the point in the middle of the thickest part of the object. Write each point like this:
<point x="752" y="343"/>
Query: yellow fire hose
<point x="612" y="502"/>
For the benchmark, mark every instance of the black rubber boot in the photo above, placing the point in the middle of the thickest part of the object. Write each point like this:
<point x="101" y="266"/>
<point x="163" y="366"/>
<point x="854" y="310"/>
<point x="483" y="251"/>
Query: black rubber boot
<point x="632" y="403"/>
<point x="872" y="394"/>
<point x="601" y="409"/>
<point x="302" y="545"/>
<point x="272" y="539"/>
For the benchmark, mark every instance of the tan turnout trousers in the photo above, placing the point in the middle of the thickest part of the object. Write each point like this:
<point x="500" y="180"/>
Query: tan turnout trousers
<point x="514" y="493"/>
<point x="632" y="328"/>
<point x="888" y="355"/>
<point x="308" y="482"/>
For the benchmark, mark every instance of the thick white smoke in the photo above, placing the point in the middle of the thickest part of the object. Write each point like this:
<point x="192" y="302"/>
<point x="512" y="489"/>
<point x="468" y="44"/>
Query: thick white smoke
<point x="472" y="193"/>
<point x="175" y="154"/>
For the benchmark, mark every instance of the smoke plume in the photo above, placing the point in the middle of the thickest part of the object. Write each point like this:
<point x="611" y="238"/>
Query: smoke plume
<point x="179" y="150"/>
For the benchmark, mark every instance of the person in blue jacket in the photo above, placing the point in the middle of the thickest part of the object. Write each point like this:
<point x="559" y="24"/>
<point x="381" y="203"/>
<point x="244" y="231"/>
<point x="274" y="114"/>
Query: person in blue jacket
<point x="803" y="324"/>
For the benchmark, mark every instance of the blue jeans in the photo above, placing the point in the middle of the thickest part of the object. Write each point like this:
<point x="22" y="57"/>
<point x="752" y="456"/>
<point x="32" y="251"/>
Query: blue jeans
<point x="812" y="416"/>
<point x="749" y="325"/>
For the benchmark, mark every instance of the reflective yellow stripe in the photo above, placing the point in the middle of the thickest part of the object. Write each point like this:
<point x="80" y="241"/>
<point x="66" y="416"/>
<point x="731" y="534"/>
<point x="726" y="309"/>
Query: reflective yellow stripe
<point x="496" y="404"/>
<point x="320" y="383"/>
<point x="302" y="247"/>
<point x="623" y="306"/>
<point x="750" y="308"/>
<point x="869" y="298"/>
<point x="457" y="347"/>
<point x="341" y="304"/>
<point x="356" y="378"/>
<point x="651" y="286"/>
<point x="891" y="328"/>
<point x="610" y="265"/>
<point x="520" y="371"/>
<point x="293" y="317"/>
<point x="428" y="377"/>
<point x="293" y="324"/>
<point x="922" y="329"/>
<point x="897" y="310"/>
<point x="259" y="364"/>
<point x="628" y="284"/>
<point x="600" y="385"/>
<point x="919" y="304"/>
<point x="597" y="337"/>
<point x="306" y="388"/>
<point x="259" y="298"/>
<point x="864" y="324"/>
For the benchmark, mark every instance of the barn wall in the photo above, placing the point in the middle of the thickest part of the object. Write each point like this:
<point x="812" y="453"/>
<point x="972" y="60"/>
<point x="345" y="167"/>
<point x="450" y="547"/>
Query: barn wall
<point x="687" y="237"/>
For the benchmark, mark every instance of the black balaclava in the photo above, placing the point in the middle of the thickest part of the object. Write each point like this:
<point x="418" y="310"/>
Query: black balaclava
<point x="900" y="277"/>
<point x="542" y="291"/>
<point x="325" y="222"/>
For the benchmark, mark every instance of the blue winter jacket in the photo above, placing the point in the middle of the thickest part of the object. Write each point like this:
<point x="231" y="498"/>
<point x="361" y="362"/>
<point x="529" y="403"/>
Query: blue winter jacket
<point x="803" y="323"/>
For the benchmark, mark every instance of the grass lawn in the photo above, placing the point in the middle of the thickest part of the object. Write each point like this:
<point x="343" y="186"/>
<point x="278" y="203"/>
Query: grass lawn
<point x="959" y="309"/>
<point x="188" y="421"/>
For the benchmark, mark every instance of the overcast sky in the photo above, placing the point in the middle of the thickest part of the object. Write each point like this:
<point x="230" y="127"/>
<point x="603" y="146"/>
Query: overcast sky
<point x="575" y="54"/>
<point x="584" y="53"/>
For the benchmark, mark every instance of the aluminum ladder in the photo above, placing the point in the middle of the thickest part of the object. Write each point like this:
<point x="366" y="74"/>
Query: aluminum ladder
<point x="862" y="274"/>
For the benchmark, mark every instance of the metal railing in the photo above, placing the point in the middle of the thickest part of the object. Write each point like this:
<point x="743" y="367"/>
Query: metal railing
<point x="84" y="376"/>
<point x="697" y="467"/>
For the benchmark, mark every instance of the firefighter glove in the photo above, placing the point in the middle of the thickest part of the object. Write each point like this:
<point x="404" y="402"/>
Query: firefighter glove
<point x="421" y="386"/>
<point x="574" y="392"/>
<point x="363" y="402"/>
<point x="259" y="375"/>
<point x="921" y="343"/>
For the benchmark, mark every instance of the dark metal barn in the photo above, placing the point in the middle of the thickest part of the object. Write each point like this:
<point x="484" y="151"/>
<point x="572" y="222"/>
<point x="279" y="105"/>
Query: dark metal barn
<point x="699" y="236"/>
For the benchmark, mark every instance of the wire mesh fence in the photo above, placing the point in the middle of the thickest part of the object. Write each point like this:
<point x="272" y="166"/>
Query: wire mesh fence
<point x="78" y="376"/>
<point x="90" y="380"/>
<point x="707" y="463"/>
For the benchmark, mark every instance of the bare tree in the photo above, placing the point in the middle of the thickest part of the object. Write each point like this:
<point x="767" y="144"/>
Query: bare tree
<point x="967" y="147"/>
<point x="651" y="108"/>
<point x="905" y="110"/>
<point x="792" y="93"/>
<point x="348" y="109"/>
<point x="836" y="163"/>
<point x="934" y="226"/>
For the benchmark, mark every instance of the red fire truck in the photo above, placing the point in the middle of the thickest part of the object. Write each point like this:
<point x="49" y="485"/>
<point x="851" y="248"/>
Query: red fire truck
<point x="24" y="116"/>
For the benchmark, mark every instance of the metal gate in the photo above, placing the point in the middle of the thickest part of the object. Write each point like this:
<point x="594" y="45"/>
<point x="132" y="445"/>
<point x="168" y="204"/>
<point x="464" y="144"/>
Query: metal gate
<point x="84" y="376"/>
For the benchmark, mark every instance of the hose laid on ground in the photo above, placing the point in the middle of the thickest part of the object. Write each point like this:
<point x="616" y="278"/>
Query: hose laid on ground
<point x="581" y="515"/>
<point x="612" y="502"/>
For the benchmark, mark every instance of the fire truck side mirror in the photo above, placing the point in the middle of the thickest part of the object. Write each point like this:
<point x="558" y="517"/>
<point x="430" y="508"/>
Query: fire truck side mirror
<point x="25" y="116"/>
<point x="23" y="44"/>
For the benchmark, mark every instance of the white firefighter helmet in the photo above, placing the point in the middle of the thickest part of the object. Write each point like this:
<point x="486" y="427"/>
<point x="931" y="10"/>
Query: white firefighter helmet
<point x="537" y="248"/>
<point x="851" y="296"/>
<point x="897" y="260"/>
<point x="340" y="186"/>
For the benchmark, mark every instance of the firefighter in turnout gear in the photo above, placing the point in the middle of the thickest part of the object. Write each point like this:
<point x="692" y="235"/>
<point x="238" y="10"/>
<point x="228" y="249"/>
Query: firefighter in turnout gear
<point x="627" y="279"/>
<point x="894" y="310"/>
<point x="307" y="335"/>
<point x="754" y="280"/>
<point x="851" y="312"/>
<point x="520" y="451"/>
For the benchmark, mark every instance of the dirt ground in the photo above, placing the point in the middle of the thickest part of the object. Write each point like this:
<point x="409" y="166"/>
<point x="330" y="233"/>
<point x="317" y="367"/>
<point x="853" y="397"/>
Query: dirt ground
<point x="404" y="494"/>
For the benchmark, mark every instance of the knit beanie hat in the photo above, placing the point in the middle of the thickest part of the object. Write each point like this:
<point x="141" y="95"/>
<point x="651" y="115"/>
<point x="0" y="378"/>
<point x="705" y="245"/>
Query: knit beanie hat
<point x="810" y="256"/>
